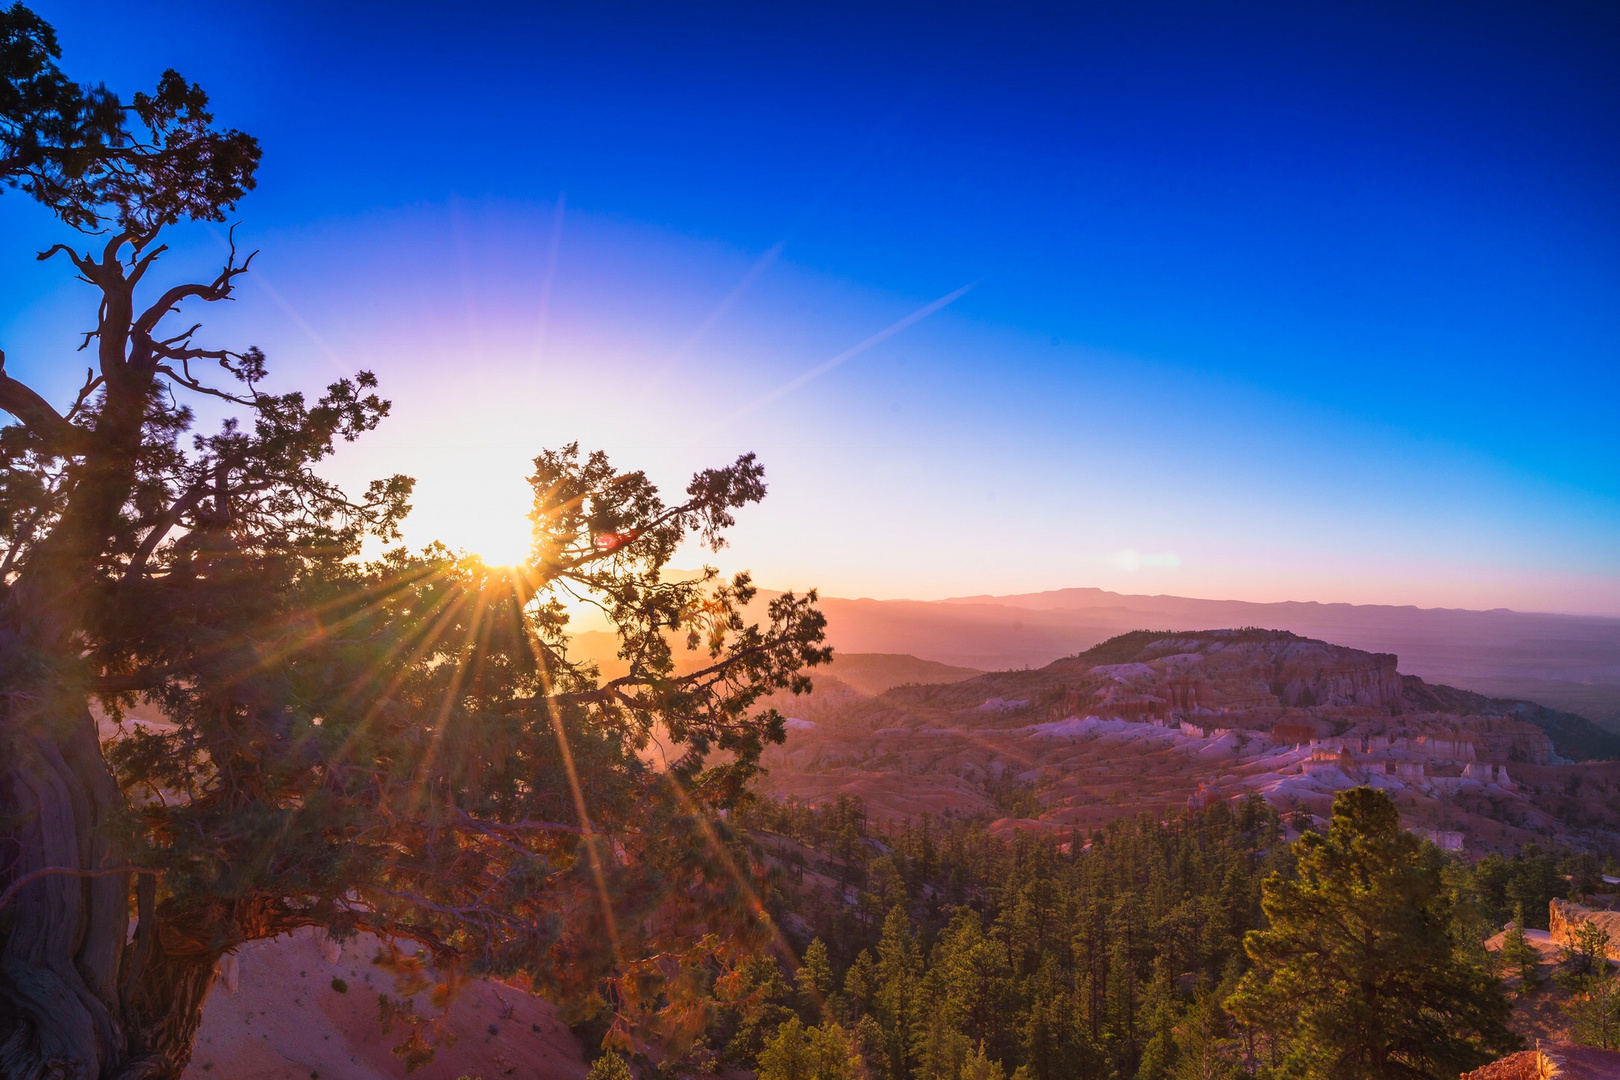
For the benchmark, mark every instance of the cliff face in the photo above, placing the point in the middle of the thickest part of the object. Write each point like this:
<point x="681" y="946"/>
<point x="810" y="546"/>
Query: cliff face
<point x="1246" y="669"/>
<point x="1310" y="673"/>
<point x="1162" y="674"/>
<point x="1564" y="918"/>
<point x="1572" y="736"/>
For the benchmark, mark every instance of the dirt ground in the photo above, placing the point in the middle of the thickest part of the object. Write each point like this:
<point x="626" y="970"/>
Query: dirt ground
<point x="286" y="1020"/>
<point x="1538" y="1014"/>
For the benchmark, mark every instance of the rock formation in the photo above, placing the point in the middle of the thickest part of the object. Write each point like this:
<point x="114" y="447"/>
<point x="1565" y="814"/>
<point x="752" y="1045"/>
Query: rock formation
<point x="1564" y="918"/>
<point x="1150" y="720"/>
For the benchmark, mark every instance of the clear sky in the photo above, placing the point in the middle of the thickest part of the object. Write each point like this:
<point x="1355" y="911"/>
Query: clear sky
<point x="1292" y="301"/>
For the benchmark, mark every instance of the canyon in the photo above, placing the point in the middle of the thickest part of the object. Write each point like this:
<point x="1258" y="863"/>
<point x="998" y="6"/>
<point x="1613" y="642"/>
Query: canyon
<point x="1149" y="722"/>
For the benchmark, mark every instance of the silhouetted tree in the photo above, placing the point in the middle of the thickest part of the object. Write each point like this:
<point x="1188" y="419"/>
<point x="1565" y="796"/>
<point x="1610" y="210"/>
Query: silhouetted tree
<point x="405" y="746"/>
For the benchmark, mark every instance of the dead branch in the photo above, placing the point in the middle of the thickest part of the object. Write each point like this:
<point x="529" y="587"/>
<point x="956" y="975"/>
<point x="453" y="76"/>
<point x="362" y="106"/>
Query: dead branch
<point x="67" y="871"/>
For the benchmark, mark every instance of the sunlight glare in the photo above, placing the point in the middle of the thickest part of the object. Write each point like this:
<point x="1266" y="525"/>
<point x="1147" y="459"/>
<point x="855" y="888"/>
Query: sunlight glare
<point x="483" y="511"/>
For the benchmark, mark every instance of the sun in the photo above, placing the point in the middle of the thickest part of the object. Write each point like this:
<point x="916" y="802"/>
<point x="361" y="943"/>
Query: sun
<point x="498" y="539"/>
<point x="474" y="499"/>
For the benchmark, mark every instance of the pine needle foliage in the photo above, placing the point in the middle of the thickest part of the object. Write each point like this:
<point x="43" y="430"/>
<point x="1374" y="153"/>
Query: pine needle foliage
<point x="291" y="734"/>
<point x="1356" y="975"/>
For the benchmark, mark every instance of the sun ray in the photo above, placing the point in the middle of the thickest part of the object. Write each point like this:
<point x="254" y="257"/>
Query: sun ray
<point x="755" y="903"/>
<point x="848" y="354"/>
<point x="452" y="692"/>
<point x="543" y="323"/>
<point x="415" y="650"/>
<point x="588" y="833"/>
<point x="761" y="264"/>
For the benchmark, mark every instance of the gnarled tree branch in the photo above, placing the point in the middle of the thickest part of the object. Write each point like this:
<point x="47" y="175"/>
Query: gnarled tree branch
<point x="59" y="435"/>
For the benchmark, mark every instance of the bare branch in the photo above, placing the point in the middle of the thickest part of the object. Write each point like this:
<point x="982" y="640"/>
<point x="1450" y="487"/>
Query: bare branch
<point x="60" y="436"/>
<point x="191" y="383"/>
<point x="183" y="336"/>
<point x="161" y="528"/>
<point x="92" y="382"/>
<point x="218" y="289"/>
<point x="66" y="871"/>
<point x="144" y="263"/>
<point x="84" y="265"/>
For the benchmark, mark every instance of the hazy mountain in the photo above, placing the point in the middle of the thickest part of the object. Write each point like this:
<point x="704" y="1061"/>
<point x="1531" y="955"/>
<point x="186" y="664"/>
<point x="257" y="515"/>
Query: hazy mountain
<point x="873" y="673"/>
<point x="1567" y="662"/>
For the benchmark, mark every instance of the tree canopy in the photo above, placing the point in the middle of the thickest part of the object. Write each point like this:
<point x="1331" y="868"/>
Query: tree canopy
<point x="290" y="734"/>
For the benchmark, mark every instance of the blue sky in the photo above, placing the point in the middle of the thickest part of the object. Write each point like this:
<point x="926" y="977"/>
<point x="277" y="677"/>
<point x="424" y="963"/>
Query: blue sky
<point x="1267" y="301"/>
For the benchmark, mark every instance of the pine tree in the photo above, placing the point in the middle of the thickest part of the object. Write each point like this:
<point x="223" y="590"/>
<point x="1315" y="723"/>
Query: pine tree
<point x="1518" y="956"/>
<point x="978" y="1067"/>
<point x="610" y="1066"/>
<point x="1587" y="950"/>
<point x="762" y="1004"/>
<point x="861" y="985"/>
<point x="1356" y="969"/>
<point x="899" y="969"/>
<point x="1202" y="1046"/>
<point x="1594" y="1010"/>
<point x="796" y="1052"/>
<point x="814" y="981"/>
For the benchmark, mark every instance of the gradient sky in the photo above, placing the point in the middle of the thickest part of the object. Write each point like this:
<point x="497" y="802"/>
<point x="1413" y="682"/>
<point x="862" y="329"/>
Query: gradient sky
<point x="1294" y="301"/>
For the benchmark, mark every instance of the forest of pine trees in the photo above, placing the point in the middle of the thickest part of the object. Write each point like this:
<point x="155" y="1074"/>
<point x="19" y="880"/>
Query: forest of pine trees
<point x="936" y="950"/>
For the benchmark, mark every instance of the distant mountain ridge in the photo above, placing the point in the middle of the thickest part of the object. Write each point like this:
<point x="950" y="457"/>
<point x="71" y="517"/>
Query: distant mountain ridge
<point x="1570" y="663"/>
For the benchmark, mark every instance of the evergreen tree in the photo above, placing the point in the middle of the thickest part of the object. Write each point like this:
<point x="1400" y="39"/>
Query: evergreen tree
<point x="1594" y="1010"/>
<point x="899" y="970"/>
<point x="939" y="1046"/>
<point x="796" y="1052"/>
<point x="1356" y="969"/>
<point x="872" y="1046"/>
<point x="406" y="746"/>
<point x="978" y="1067"/>
<point x="1203" y="1048"/>
<point x="761" y="1002"/>
<point x="1518" y="956"/>
<point x="814" y="981"/>
<point x="1062" y="964"/>
<point x="610" y="1066"/>
<point x="1587" y="950"/>
<point x="861" y="985"/>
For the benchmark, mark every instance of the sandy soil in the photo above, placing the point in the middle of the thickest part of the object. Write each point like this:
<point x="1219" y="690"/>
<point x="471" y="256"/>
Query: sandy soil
<point x="286" y="1021"/>
<point x="1539" y="1014"/>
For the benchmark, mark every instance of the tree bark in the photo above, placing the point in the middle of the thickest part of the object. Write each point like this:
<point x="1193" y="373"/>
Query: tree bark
<point x="76" y="1002"/>
<point x="163" y="1003"/>
<point x="60" y="1013"/>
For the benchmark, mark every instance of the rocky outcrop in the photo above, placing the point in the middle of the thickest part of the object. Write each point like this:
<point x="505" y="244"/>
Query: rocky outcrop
<point x="1572" y="736"/>
<point x="1565" y="918"/>
<point x="1311" y="673"/>
<point x="1560" y="1060"/>
<point x="1214" y="670"/>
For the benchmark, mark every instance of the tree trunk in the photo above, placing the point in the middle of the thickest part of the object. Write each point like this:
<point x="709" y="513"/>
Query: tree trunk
<point x="76" y="1003"/>
<point x="60" y="1012"/>
<point x="163" y="1002"/>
